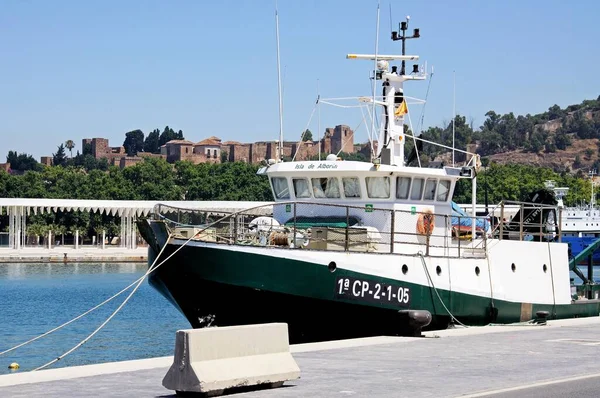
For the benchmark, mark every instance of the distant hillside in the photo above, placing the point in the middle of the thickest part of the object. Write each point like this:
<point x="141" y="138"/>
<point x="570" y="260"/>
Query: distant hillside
<point x="561" y="139"/>
<point x="581" y="154"/>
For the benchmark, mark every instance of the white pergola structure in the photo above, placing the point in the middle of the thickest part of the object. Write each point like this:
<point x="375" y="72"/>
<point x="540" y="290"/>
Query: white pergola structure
<point x="18" y="209"/>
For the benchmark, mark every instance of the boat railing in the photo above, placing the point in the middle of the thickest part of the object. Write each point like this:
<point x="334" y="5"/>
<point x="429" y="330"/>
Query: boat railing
<point x="532" y="222"/>
<point x="332" y="227"/>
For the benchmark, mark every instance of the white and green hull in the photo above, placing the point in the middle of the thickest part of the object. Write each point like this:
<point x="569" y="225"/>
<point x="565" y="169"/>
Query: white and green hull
<point x="329" y="294"/>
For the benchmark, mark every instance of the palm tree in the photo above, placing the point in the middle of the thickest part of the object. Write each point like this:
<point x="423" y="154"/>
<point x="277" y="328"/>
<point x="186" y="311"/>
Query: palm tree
<point x="70" y="145"/>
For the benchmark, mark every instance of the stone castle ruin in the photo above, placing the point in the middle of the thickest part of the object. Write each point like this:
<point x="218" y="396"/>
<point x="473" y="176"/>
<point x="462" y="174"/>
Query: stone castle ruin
<point x="212" y="150"/>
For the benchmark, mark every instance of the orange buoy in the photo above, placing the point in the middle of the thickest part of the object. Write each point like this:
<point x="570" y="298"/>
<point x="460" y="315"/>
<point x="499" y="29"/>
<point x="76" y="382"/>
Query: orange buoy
<point x="425" y="223"/>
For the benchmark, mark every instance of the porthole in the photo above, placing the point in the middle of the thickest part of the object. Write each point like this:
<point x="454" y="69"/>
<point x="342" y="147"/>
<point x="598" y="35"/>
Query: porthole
<point x="513" y="267"/>
<point x="404" y="269"/>
<point x="332" y="266"/>
<point x="477" y="271"/>
<point x="438" y="270"/>
<point x="545" y="268"/>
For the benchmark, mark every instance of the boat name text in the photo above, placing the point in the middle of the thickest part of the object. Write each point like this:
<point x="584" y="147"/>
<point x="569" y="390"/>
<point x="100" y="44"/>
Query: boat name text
<point x="317" y="166"/>
<point x="371" y="291"/>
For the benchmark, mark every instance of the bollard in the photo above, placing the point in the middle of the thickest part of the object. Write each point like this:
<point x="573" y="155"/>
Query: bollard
<point x="413" y="321"/>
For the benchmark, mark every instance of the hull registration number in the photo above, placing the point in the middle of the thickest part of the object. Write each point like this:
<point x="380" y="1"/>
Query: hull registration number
<point x="371" y="291"/>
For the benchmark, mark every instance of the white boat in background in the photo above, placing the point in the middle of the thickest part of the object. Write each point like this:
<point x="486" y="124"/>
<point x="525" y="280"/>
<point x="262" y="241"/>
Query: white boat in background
<point x="580" y="225"/>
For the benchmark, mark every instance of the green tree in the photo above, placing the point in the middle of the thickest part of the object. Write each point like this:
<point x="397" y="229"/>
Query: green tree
<point x="169" y="134"/>
<point x="134" y="142"/>
<point x="59" y="158"/>
<point x="22" y="161"/>
<point x="555" y="112"/>
<point x="69" y="144"/>
<point x="151" y="143"/>
<point x="87" y="149"/>
<point x="307" y="135"/>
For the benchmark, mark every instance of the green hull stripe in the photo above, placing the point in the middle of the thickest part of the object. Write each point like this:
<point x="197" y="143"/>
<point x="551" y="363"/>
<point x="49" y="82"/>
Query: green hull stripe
<point x="287" y="276"/>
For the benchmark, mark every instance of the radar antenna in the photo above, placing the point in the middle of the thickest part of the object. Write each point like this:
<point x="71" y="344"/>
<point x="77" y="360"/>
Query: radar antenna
<point x="395" y="37"/>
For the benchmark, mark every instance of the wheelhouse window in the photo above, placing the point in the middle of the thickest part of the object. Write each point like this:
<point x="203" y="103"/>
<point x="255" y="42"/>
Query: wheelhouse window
<point x="351" y="187"/>
<point x="326" y="187"/>
<point x="378" y="187"/>
<point x="417" y="189"/>
<point x="430" y="186"/>
<point x="443" y="190"/>
<point x="301" y="187"/>
<point x="402" y="187"/>
<point x="280" y="187"/>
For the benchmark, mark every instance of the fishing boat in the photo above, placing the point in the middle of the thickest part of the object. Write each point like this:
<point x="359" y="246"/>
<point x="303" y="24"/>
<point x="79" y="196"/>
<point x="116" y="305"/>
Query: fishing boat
<point x="352" y="249"/>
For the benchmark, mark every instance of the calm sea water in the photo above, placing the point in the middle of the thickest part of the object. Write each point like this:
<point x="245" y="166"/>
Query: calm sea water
<point x="35" y="298"/>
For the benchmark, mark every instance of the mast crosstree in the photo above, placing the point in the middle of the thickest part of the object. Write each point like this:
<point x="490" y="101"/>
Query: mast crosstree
<point x="390" y="148"/>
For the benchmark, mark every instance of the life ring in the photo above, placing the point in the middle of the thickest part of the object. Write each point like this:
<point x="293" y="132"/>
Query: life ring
<point x="425" y="223"/>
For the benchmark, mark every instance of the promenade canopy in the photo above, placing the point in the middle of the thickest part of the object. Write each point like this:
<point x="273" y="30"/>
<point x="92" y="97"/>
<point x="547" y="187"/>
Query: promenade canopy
<point x="119" y="207"/>
<point x="18" y="209"/>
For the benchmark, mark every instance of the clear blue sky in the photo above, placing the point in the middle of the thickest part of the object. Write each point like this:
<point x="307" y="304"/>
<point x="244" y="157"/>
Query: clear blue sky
<point x="77" y="69"/>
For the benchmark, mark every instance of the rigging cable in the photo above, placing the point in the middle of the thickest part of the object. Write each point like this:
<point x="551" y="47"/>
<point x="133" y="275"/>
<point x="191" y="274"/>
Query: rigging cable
<point x="307" y="124"/>
<point x="421" y="118"/>
<point x="352" y="136"/>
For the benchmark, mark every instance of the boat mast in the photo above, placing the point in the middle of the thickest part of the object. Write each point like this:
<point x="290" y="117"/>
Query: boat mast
<point x="280" y="148"/>
<point x="591" y="173"/>
<point x="375" y="75"/>
<point x="453" y="112"/>
<point x="390" y="145"/>
<point x="395" y="97"/>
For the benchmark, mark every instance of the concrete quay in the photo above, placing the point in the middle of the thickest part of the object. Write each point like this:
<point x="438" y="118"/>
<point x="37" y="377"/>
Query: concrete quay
<point x="66" y="254"/>
<point x="554" y="360"/>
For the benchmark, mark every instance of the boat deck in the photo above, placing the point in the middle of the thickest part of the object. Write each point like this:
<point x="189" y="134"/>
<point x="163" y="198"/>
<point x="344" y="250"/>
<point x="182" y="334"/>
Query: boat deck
<point x="557" y="359"/>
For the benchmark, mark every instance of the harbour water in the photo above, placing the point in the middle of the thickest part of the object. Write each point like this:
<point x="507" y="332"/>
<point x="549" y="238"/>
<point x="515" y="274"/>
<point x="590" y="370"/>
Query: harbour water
<point x="35" y="298"/>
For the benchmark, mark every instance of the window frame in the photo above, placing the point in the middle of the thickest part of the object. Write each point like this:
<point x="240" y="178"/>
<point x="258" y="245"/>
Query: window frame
<point x="358" y="183"/>
<point x="308" y="185"/>
<point x="389" y="184"/>
<point x="437" y="194"/>
<point x="398" y="178"/>
<point x="337" y="182"/>
<point x="433" y="192"/>
<point x="420" y="190"/>
<point x="287" y="184"/>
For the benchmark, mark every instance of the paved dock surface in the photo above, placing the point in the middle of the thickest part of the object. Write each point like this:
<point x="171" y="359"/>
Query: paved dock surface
<point x="556" y="360"/>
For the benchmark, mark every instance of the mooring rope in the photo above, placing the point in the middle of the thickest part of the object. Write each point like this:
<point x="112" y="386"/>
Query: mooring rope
<point x="420" y="253"/>
<point x="72" y="320"/>
<point x="150" y="269"/>
<point x="139" y="280"/>
<point x="552" y="279"/>
<point x="487" y="256"/>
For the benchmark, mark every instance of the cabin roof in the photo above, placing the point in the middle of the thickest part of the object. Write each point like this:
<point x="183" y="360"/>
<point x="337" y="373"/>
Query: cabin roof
<point x="340" y="168"/>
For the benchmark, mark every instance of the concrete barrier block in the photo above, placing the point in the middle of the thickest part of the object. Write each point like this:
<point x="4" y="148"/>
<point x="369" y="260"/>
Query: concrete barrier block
<point x="213" y="360"/>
